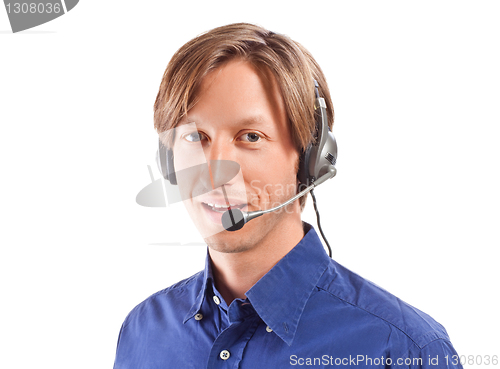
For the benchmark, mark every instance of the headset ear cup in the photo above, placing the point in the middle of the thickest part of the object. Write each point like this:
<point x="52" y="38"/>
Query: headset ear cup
<point x="159" y="164"/>
<point x="303" y="172"/>
<point x="170" y="167"/>
<point x="165" y="161"/>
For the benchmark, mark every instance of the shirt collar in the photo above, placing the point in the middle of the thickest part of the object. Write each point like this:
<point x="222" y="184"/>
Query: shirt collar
<point x="280" y="296"/>
<point x="207" y="283"/>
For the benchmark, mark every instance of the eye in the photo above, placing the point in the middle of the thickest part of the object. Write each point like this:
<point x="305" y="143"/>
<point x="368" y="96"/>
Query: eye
<point x="194" y="136"/>
<point x="251" y="137"/>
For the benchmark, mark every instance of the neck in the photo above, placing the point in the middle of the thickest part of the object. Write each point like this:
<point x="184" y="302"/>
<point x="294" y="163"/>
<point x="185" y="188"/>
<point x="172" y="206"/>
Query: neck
<point x="235" y="273"/>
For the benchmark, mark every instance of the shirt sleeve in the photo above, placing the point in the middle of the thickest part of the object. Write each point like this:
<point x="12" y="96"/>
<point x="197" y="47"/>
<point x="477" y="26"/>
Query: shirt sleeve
<point x="117" y="358"/>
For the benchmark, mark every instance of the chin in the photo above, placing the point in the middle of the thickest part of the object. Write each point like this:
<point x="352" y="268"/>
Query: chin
<point x="247" y="238"/>
<point x="226" y="246"/>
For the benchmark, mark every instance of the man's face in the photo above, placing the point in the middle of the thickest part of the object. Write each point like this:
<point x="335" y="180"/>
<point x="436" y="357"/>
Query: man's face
<point x="239" y="116"/>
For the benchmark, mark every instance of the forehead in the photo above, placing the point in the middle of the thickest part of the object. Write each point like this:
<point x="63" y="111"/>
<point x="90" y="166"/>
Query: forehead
<point x="240" y="92"/>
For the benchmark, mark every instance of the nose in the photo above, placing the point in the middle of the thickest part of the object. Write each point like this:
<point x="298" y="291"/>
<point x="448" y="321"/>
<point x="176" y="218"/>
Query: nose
<point x="222" y="167"/>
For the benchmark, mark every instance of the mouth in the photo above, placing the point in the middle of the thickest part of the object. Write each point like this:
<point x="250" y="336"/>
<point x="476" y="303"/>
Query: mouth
<point x="221" y="208"/>
<point x="212" y="207"/>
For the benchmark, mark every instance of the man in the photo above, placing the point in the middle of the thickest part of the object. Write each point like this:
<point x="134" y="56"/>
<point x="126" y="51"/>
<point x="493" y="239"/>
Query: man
<point x="269" y="296"/>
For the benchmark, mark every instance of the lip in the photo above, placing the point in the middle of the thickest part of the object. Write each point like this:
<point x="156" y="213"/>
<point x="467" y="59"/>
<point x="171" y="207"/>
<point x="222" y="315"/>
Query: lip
<point x="215" y="207"/>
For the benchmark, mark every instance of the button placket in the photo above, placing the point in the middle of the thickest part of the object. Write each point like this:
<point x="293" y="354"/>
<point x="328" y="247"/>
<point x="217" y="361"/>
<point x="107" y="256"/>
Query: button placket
<point x="228" y="348"/>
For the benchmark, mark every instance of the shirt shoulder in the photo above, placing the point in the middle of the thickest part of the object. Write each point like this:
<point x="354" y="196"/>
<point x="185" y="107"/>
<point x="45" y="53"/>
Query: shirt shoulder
<point x="383" y="307"/>
<point x="178" y="297"/>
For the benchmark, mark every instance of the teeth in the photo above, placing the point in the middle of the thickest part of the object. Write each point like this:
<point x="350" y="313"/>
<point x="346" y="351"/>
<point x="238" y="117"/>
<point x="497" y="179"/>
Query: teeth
<point x="220" y="206"/>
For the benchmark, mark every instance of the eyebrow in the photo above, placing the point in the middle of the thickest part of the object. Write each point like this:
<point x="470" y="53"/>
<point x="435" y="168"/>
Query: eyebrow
<point x="252" y="120"/>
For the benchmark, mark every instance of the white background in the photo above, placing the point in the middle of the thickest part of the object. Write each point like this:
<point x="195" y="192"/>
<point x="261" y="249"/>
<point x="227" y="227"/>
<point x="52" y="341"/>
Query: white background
<point x="414" y="207"/>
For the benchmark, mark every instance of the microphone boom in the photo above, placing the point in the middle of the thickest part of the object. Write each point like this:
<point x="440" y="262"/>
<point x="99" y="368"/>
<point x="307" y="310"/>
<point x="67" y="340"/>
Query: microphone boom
<point x="234" y="219"/>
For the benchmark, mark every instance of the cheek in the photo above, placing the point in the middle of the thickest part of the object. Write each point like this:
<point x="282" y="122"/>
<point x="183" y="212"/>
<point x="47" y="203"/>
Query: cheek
<point x="283" y="166"/>
<point x="184" y="159"/>
<point x="272" y="178"/>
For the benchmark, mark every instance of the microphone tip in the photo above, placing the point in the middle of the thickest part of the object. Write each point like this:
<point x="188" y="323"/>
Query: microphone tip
<point x="233" y="220"/>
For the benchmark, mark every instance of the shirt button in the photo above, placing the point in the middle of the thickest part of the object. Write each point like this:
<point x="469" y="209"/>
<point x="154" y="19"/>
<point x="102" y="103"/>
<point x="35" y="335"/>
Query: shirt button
<point x="198" y="316"/>
<point x="224" y="354"/>
<point x="268" y="329"/>
<point x="216" y="300"/>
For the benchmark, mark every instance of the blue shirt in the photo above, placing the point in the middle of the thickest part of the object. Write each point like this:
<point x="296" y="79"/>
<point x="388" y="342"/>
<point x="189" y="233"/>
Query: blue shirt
<point x="307" y="311"/>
